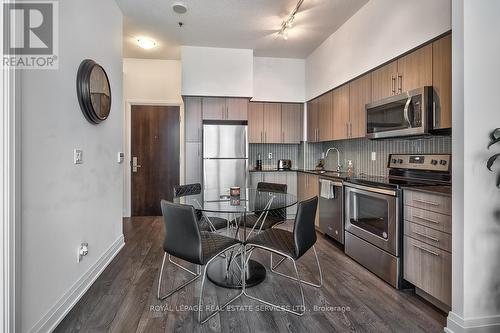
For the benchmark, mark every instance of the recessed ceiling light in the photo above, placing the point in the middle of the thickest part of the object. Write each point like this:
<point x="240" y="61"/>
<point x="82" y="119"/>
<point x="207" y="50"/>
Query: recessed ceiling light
<point x="179" y="8"/>
<point x="146" y="43"/>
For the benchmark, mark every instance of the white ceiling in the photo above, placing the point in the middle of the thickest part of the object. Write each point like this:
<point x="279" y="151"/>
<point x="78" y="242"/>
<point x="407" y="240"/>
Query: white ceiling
<point x="251" y="24"/>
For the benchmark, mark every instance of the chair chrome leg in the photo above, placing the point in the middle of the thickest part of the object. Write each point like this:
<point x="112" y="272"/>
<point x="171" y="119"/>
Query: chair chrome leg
<point x="273" y="269"/>
<point x="196" y="276"/>
<point x="202" y="321"/>
<point x="269" y="303"/>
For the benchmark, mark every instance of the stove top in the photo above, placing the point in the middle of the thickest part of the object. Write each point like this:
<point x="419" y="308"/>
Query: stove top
<point x="411" y="170"/>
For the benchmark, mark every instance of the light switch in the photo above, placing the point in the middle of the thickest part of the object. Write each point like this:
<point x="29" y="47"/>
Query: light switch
<point x="121" y="157"/>
<point x="78" y="156"/>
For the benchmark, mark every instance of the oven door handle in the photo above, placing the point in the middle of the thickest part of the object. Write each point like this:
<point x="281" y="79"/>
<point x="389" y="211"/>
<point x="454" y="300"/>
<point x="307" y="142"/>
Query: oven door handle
<point x="406" y="115"/>
<point x="389" y="192"/>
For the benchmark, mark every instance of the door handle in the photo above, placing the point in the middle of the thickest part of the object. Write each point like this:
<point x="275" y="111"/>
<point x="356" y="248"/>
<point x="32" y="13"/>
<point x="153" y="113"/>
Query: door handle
<point x="350" y="130"/>
<point x="400" y="83"/>
<point x="425" y="219"/>
<point x="407" y="117"/>
<point x="261" y="137"/>
<point x="426" y="250"/>
<point x="283" y="137"/>
<point x="393" y="84"/>
<point x="134" y="164"/>
<point x="265" y="137"/>
<point x="434" y="239"/>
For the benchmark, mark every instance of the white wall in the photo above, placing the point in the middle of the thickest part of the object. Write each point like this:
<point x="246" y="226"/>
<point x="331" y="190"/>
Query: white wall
<point x="64" y="204"/>
<point x="476" y="200"/>
<point x="148" y="81"/>
<point x="378" y="32"/>
<point x="209" y="71"/>
<point x="278" y="79"/>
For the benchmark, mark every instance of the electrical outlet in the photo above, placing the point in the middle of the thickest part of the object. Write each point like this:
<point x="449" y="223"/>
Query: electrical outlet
<point x="374" y="156"/>
<point x="270" y="156"/>
<point x="78" y="156"/>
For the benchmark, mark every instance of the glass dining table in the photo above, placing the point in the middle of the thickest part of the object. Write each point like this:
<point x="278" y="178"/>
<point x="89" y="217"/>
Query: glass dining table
<point x="226" y="271"/>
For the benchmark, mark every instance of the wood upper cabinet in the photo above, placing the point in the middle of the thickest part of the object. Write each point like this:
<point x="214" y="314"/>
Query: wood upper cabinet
<point x="312" y="120"/>
<point x="236" y="109"/>
<point x="255" y="122"/>
<point x="221" y="108"/>
<point x="341" y="113"/>
<point x="192" y="119"/>
<point x="291" y="122"/>
<point x="272" y="123"/>
<point x="415" y="69"/>
<point x="384" y="81"/>
<point x="360" y="94"/>
<point x="441" y="81"/>
<point x="325" y="117"/>
<point x="214" y="108"/>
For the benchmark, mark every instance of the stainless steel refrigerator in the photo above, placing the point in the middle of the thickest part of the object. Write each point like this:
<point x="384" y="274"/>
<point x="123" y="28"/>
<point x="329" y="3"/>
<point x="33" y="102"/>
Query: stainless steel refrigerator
<point x="225" y="156"/>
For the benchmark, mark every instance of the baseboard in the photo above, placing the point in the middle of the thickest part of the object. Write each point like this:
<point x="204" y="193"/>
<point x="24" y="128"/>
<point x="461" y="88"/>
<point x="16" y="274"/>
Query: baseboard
<point x="457" y="324"/>
<point x="57" y="313"/>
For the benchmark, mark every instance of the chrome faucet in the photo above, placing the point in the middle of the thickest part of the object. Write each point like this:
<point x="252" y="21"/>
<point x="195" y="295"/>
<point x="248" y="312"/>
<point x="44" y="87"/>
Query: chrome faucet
<point x="339" y="166"/>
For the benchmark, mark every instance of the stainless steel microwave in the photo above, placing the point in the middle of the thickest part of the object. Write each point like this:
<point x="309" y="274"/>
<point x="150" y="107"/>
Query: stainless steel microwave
<point x="406" y="114"/>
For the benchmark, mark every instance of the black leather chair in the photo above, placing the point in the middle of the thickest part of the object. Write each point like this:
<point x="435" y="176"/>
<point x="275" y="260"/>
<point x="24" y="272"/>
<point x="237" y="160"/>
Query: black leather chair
<point x="259" y="221"/>
<point x="206" y="223"/>
<point x="184" y="240"/>
<point x="290" y="245"/>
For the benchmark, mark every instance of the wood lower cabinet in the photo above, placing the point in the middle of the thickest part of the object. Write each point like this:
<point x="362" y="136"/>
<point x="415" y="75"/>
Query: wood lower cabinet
<point x="360" y="94"/>
<point x="341" y="113"/>
<point x="275" y="122"/>
<point x="308" y="187"/>
<point x="441" y="82"/>
<point x="427" y="245"/>
<point x="312" y="120"/>
<point x="192" y="119"/>
<point x="279" y="177"/>
<point x="291" y="122"/>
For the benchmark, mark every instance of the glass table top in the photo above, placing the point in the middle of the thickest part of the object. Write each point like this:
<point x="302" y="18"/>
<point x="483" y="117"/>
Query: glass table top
<point x="250" y="200"/>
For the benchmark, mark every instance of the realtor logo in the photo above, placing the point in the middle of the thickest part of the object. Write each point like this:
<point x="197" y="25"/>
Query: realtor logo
<point x="30" y="34"/>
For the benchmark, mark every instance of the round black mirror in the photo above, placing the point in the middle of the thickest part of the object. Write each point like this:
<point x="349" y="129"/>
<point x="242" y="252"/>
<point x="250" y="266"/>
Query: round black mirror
<point x="94" y="91"/>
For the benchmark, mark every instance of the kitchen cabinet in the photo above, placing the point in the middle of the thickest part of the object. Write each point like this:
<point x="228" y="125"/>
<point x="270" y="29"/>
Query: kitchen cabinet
<point x="272" y="123"/>
<point x="192" y="119"/>
<point x="415" y="69"/>
<point x="360" y="94"/>
<point x="441" y="82"/>
<point x="312" y="120"/>
<point x="291" y="122"/>
<point x="308" y="187"/>
<point x="341" y="128"/>
<point x="193" y="166"/>
<point x="427" y="245"/>
<point x="325" y="117"/>
<point x="384" y="81"/>
<point x="255" y="122"/>
<point x="275" y="122"/>
<point x="221" y="108"/>
<point x="279" y="177"/>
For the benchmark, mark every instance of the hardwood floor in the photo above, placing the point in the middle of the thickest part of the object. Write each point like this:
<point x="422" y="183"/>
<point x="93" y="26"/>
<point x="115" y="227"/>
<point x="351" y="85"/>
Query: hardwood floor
<point x="123" y="298"/>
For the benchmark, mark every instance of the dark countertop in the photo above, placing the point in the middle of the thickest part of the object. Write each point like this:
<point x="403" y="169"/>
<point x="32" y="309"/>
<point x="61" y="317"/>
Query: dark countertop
<point x="438" y="189"/>
<point x="327" y="174"/>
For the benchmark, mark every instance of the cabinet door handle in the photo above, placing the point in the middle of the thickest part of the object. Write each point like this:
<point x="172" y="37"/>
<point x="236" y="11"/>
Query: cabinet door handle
<point x="435" y="121"/>
<point x="426" y="219"/>
<point x="283" y="137"/>
<point x="434" y="239"/>
<point x="347" y="129"/>
<point x="261" y="137"/>
<point x="227" y="112"/>
<point x="400" y="83"/>
<point x="432" y="203"/>
<point x="265" y="137"/>
<point x="393" y="84"/>
<point x="350" y="130"/>
<point x="426" y="250"/>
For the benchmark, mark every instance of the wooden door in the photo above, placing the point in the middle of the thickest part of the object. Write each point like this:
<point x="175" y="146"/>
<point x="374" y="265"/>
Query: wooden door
<point x="155" y="143"/>
<point x="291" y="122"/>
<point x="384" y="81"/>
<point x="325" y="117"/>
<point x="312" y="120"/>
<point x="192" y="119"/>
<point x="255" y="122"/>
<point x="360" y="93"/>
<point x="237" y="108"/>
<point x="415" y="69"/>
<point x="441" y="81"/>
<point x="214" y="108"/>
<point x="272" y="123"/>
<point x="341" y="112"/>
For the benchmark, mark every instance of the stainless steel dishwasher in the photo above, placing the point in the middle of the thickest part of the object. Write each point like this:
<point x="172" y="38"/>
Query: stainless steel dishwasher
<point x="331" y="208"/>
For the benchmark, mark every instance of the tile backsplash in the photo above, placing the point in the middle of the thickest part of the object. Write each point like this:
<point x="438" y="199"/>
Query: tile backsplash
<point x="278" y="151"/>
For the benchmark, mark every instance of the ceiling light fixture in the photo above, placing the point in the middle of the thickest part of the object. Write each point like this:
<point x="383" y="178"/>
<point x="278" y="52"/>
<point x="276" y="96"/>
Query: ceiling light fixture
<point x="179" y="8"/>
<point x="146" y="43"/>
<point x="288" y="23"/>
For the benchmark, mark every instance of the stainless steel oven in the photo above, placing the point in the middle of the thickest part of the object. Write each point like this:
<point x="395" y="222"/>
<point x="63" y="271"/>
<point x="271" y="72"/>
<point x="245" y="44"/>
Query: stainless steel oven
<point x="406" y="114"/>
<point x="372" y="229"/>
